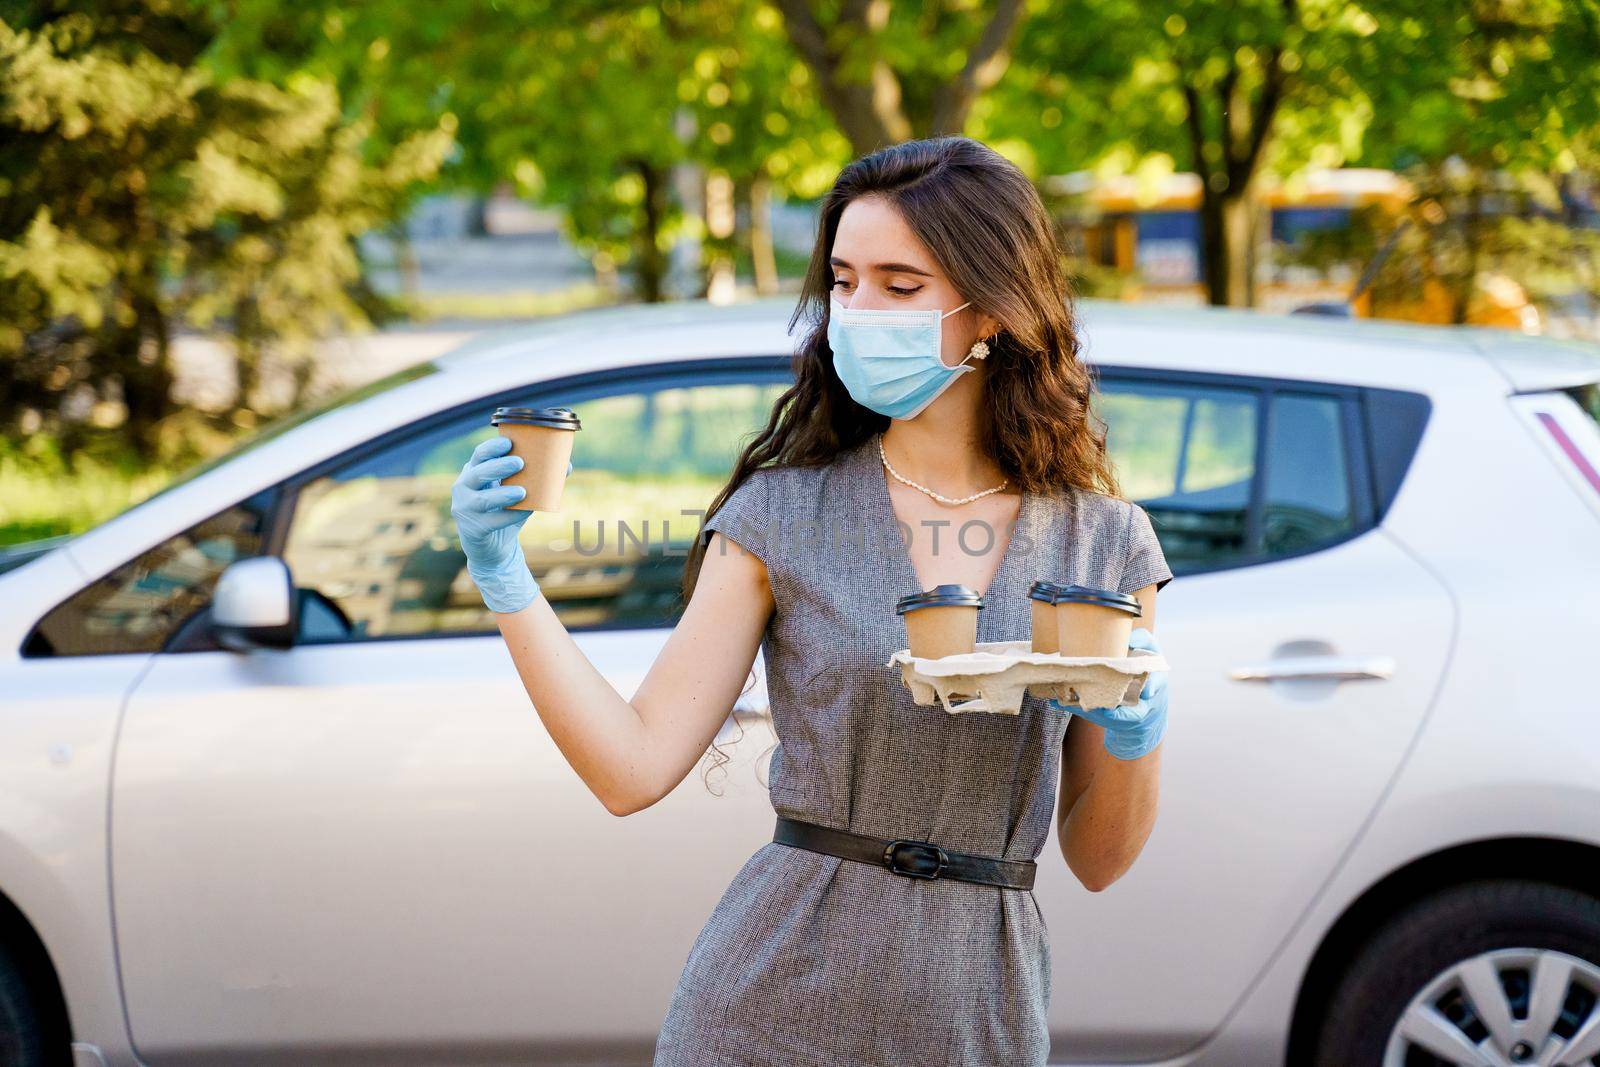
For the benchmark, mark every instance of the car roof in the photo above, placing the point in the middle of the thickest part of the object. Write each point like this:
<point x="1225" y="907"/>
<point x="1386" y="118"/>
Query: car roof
<point x="1218" y="340"/>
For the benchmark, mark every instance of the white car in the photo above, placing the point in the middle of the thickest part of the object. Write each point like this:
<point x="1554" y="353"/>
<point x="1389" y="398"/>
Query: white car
<point x="264" y="814"/>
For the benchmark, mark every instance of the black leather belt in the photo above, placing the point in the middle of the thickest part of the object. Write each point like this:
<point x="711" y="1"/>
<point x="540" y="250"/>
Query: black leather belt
<point x="914" y="859"/>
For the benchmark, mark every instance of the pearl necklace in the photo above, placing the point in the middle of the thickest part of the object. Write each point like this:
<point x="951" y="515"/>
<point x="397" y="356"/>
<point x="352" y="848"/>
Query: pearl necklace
<point x="924" y="489"/>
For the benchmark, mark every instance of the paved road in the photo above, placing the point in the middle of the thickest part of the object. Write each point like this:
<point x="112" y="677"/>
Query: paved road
<point x="205" y="373"/>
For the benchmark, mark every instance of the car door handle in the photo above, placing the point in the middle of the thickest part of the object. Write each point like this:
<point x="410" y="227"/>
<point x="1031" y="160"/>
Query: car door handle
<point x="1316" y="668"/>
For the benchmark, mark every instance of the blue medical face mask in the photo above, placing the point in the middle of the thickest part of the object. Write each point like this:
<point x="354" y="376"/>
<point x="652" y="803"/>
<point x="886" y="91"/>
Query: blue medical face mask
<point x="889" y="360"/>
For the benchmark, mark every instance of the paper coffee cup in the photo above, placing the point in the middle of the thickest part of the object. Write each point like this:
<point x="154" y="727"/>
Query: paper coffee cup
<point x="1094" y="622"/>
<point x="942" y="621"/>
<point x="1042" y="595"/>
<point x="542" y="437"/>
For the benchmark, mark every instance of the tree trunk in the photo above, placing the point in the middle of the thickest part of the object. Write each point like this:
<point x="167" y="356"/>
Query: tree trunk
<point x="303" y="375"/>
<point x="763" y="257"/>
<point x="140" y="351"/>
<point x="409" y="270"/>
<point x="1227" y="161"/>
<point x="650" y="263"/>
<point x="720" y="209"/>
<point x="139" y="348"/>
<point x="1477" y="235"/>
<point x="246" y="360"/>
<point x="866" y="99"/>
<point x="1228" y="244"/>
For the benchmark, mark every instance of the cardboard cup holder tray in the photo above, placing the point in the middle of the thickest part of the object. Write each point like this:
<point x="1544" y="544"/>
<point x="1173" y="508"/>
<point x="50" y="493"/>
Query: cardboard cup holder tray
<point x="996" y="676"/>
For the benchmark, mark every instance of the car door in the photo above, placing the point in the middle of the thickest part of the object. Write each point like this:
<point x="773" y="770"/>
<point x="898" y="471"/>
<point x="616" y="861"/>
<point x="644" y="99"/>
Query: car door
<point x="368" y="843"/>
<point x="1305" y="646"/>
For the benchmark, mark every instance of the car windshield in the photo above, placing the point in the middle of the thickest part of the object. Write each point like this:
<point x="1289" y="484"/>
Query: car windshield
<point x="280" y="426"/>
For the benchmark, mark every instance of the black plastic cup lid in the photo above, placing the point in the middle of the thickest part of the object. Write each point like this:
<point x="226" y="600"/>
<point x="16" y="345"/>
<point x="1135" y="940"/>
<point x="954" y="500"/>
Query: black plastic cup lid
<point x="555" y="418"/>
<point x="940" y="596"/>
<point x="1088" y="594"/>
<point x="1045" y="591"/>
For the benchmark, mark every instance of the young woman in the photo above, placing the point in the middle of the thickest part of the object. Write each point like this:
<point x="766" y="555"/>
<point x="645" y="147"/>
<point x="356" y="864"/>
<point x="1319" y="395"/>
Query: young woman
<point x="939" y="431"/>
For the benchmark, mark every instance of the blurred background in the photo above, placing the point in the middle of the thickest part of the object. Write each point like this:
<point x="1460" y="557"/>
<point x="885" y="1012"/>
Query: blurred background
<point x="215" y="213"/>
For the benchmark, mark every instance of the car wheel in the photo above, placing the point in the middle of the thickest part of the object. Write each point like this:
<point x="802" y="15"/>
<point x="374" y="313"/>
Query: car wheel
<point x="1488" y="974"/>
<point x="21" y="1042"/>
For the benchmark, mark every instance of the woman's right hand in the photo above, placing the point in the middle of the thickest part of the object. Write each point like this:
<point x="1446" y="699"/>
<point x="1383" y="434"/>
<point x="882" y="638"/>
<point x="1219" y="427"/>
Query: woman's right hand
<point x="1131" y="730"/>
<point x="488" y="529"/>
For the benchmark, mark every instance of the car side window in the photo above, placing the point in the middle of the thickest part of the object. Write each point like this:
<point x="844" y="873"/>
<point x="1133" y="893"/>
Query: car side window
<point x="1187" y="455"/>
<point x="1220" y="488"/>
<point x="140" y="605"/>
<point x="375" y="537"/>
<point x="1307" y="498"/>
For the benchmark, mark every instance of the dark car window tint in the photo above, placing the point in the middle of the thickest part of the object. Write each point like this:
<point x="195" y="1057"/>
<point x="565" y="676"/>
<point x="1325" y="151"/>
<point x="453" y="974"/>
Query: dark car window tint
<point x="138" y="606"/>
<point x="1587" y="398"/>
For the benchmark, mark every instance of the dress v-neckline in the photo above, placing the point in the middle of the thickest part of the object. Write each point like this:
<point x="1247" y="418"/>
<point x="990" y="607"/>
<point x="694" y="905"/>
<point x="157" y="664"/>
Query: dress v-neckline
<point x="893" y="545"/>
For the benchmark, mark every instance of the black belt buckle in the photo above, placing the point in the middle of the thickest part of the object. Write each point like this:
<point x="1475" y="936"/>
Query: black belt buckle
<point x="927" y="853"/>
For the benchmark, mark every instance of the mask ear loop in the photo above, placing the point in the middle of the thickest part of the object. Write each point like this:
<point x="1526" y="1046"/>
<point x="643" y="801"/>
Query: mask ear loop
<point x="979" y="349"/>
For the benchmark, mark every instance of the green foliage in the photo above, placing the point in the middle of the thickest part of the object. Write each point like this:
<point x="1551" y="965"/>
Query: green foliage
<point x="590" y="105"/>
<point x="45" y="491"/>
<point x="1376" y="82"/>
<point x="190" y="163"/>
<point x="1232" y="91"/>
<point x="1511" y="84"/>
<point x="143" y="189"/>
<point x="1119" y="80"/>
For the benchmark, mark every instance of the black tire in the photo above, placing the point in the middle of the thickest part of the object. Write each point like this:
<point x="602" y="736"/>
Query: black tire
<point x="1425" y="939"/>
<point x="22" y="1039"/>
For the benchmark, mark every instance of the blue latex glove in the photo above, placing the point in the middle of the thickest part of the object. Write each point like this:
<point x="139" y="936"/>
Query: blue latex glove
<point x="487" y="528"/>
<point x="1131" y="730"/>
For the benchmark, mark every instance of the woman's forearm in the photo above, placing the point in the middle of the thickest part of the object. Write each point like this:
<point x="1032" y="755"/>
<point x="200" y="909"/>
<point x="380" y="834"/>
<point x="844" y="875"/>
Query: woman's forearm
<point x="1108" y="825"/>
<point x="599" y="732"/>
<point x="632" y="752"/>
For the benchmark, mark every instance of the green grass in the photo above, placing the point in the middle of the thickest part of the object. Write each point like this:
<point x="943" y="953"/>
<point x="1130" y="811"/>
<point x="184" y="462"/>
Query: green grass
<point x="511" y="305"/>
<point x="45" y="492"/>
<point x="39" y="500"/>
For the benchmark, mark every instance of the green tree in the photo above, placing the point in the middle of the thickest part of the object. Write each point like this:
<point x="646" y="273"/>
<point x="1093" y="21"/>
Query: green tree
<point x="758" y="128"/>
<point x="1497" y="84"/>
<point x="1490" y="107"/>
<point x="1234" y="92"/>
<point x="891" y="72"/>
<point x="1225" y="91"/>
<point x="578" y="104"/>
<point x="142" y="189"/>
<point x="608" y="109"/>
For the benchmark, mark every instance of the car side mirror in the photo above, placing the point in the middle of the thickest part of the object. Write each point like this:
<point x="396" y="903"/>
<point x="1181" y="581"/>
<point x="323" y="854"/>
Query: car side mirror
<point x="255" y="605"/>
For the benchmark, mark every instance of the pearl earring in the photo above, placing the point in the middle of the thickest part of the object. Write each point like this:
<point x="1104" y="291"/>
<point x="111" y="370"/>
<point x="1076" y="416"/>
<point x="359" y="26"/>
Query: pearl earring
<point x="978" y="350"/>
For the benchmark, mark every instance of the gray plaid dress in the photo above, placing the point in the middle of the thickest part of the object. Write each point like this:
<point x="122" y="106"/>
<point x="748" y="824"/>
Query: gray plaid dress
<point x="810" y="959"/>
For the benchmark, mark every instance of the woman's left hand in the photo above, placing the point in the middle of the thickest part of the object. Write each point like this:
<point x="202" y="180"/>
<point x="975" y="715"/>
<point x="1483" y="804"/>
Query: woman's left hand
<point x="488" y="527"/>
<point x="1131" y="730"/>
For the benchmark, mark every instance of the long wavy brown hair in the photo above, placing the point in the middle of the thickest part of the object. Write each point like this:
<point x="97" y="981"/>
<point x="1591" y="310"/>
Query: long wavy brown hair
<point x="986" y="227"/>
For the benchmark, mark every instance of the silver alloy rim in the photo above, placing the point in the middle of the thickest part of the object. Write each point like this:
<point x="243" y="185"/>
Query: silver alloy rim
<point x="1507" y="1008"/>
